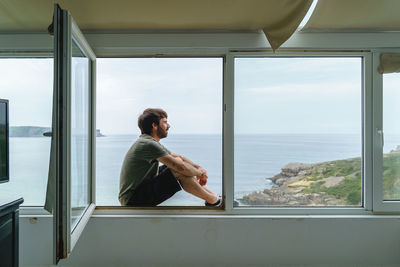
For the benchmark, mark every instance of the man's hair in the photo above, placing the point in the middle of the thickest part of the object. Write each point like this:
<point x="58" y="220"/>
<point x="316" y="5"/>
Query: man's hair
<point x="150" y="115"/>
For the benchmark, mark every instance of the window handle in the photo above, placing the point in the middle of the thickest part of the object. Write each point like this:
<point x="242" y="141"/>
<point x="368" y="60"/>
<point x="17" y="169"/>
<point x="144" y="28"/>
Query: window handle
<point x="48" y="134"/>
<point x="381" y="135"/>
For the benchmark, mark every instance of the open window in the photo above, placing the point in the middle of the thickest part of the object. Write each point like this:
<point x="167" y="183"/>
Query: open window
<point x="72" y="149"/>
<point x="189" y="89"/>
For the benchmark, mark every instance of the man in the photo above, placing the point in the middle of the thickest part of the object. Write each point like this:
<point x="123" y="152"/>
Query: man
<point x="144" y="183"/>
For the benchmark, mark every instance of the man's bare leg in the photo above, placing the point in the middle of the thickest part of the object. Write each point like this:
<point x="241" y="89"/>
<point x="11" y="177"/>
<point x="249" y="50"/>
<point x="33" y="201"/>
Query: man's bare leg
<point x="192" y="186"/>
<point x="207" y="189"/>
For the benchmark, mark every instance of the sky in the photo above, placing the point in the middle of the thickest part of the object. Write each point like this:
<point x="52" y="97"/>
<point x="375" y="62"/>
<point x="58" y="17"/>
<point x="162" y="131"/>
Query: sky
<point x="272" y="95"/>
<point x="189" y="90"/>
<point x="300" y="95"/>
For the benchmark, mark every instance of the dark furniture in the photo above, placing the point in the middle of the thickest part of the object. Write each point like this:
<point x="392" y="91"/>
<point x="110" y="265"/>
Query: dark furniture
<point x="9" y="221"/>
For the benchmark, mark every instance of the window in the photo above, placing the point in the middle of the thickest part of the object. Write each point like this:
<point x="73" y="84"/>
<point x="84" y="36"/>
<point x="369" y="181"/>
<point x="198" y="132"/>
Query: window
<point x="80" y="133"/>
<point x="391" y="146"/>
<point x="298" y="131"/>
<point x="28" y="84"/>
<point x="188" y="89"/>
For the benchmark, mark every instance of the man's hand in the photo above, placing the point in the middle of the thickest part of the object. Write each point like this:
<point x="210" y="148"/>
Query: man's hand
<point x="203" y="177"/>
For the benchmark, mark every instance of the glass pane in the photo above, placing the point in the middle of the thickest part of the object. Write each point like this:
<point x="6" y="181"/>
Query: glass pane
<point x="391" y="128"/>
<point x="80" y="143"/>
<point x="28" y="85"/>
<point x="188" y="89"/>
<point x="298" y="132"/>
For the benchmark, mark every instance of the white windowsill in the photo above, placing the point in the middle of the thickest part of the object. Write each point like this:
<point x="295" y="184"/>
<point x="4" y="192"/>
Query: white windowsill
<point x="291" y="213"/>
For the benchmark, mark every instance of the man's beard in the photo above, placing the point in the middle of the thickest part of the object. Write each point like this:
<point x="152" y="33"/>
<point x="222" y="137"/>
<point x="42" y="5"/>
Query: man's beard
<point x="161" y="133"/>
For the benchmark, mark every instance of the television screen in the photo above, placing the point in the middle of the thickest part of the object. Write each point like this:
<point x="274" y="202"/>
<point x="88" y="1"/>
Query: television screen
<point x="4" y="164"/>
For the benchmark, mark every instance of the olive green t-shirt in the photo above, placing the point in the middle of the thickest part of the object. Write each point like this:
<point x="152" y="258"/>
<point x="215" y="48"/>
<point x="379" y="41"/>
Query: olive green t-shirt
<point x="140" y="163"/>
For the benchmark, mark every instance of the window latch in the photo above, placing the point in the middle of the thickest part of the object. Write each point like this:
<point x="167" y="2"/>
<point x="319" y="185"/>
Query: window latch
<point x="381" y="135"/>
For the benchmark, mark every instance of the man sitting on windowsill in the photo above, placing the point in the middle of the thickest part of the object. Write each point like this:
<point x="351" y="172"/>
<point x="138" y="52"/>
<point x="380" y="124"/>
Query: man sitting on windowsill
<point x="144" y="183"/>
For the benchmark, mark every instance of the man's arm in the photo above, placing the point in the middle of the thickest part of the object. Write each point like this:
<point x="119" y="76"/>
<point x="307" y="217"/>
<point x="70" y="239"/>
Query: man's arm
<point x="185" y="160"/>
<point x="203" y="177"/>
<point x="179" y="165"/>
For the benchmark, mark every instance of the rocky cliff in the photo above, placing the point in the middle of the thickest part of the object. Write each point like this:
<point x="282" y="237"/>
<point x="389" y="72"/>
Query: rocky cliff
<point x="333" y="183"/>
<point x="28" y="131"/>
<point x="36" y="131"/>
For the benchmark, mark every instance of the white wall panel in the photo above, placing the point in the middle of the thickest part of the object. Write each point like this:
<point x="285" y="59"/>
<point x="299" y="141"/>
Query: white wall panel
<point x="228" y="241"/>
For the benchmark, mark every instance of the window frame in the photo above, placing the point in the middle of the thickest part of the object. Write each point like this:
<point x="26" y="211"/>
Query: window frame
<point x="43" y="54"/>
<point x="202" y="209"/>
<point x="227" y="44"/>
<point x="366" y="208"/>
<point x="228" y="144"/>
<point x="228" y="148"/>
<point x="379" y="205"/>
<point x="65" y="234"/>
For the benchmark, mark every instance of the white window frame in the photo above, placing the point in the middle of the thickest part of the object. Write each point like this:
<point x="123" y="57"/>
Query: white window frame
<point x="379" y="205"/>
<point x="366" y="155"/>
<point x="28" y="209"/>
<point x="228" y="44"/>
<point x="228" y="149"/>
<point x="67" y="32"/>
<point x="185" y="56"/>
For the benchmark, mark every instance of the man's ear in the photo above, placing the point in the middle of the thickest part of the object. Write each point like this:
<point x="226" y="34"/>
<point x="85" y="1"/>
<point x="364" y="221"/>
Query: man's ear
<point x="154" y="125"/>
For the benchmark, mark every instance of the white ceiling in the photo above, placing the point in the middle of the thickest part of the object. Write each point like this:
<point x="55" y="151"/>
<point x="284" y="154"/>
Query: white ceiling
<point x="36" y="15"/>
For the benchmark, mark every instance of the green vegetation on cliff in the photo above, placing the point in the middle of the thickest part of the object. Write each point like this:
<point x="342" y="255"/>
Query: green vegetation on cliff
<point x="391" y="175"/>
<point x="347" y="172"/>
<point x="332" y="183"/>
<point x="348" y="188"/>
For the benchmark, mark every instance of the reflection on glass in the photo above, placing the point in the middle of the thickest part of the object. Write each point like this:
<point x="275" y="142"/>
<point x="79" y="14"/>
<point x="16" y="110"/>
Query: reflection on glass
<point x="80" y="179"/>
<point x="297" y="135"/>
<point x="391" y="128"/>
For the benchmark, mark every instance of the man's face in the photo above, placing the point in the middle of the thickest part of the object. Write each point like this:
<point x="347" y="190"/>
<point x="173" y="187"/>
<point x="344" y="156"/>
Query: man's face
<point x="162" y="129"/>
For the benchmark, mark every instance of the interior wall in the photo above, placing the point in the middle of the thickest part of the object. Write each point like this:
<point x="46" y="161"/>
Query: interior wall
<point x="226" y="241"/>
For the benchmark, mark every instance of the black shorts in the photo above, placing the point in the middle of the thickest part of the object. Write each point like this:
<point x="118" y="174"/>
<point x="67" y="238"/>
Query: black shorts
<point x="156" y="190"/>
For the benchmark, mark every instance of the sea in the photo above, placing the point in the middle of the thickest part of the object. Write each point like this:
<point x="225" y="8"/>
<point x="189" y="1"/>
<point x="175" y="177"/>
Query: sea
<point x="256" y="157"/>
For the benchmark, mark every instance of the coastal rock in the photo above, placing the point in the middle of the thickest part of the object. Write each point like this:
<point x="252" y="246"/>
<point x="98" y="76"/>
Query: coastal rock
<point x="285" y="198"/>
<point x="397" y="149"/>
<point x="333" y="181"/>
<point x="280" y="181"/>
<point x="293" y="169"/>
<point x="28" y="131"/>
<point x="289" y="185"/>
<point x="99" y="134"/>
<point x="301" y="184"/>
<point x="290" y="170"/>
